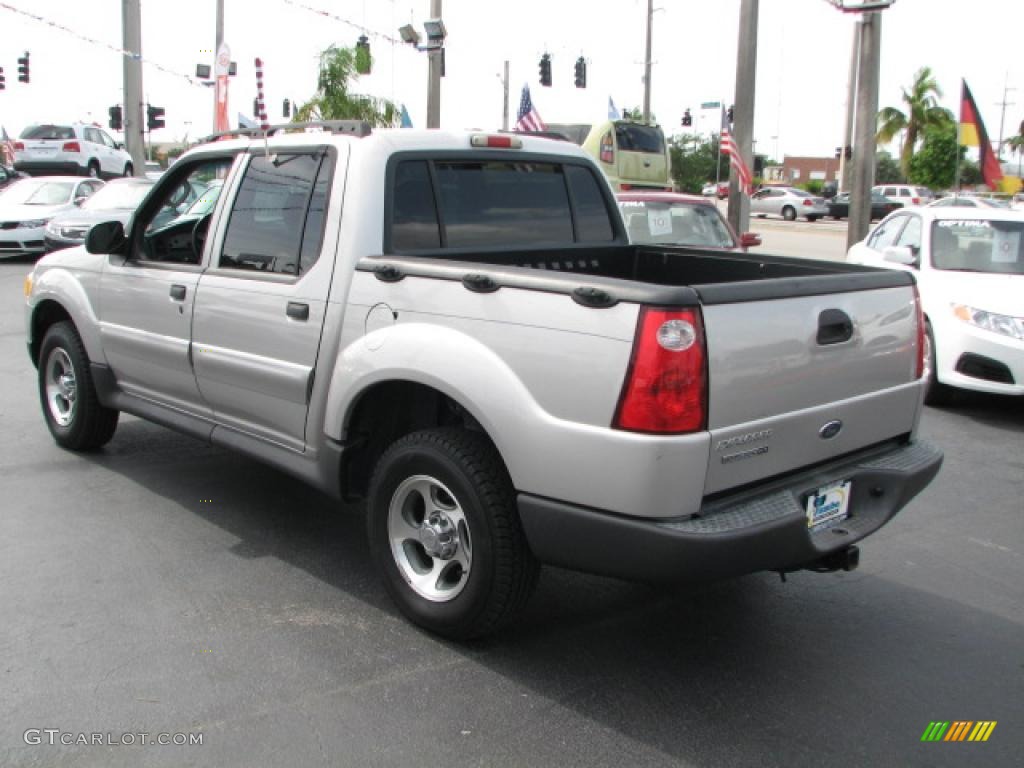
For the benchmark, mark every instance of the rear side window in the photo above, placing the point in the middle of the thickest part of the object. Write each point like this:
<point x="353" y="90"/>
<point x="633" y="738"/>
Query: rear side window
<point x="414" y="220"/>
<point x="592" y="222"/>
<point x="276" y="222"/>
<point x="632" y="137"/>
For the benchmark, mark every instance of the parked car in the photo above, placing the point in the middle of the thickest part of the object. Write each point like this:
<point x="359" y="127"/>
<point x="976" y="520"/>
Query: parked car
<point x="787" y="202"/>
<point x="905" y="194"/>
<point x="969" y="265"/>
<point x="117" y="200"/>
<point x="472" y="347"/>
<point x="881" y="206"/>
<point x="8" y="175"/>
<point x="970" y="201"/>
<point x="665" y="218"/>
<point x="27" y="206"/>
<point x="76" y="149"/>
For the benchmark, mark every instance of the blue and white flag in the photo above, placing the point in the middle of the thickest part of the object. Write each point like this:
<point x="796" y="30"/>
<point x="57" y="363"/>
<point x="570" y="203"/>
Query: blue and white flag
<point x="527" y="118"/>
<point x="406" y="120"/>
<point x="613" y="113"/>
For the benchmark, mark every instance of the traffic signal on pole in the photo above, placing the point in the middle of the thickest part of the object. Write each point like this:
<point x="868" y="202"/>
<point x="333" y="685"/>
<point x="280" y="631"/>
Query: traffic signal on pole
<point x="286" y="108"/>
<point x="363" y="60"/>
<point x="23" y="68"/>
<point x="116" y="122"/>
<point x="849" y="152"/>
<point x="3" y="80"/>
<point x="581" y="73"/>
<point x="687" y="118"/>
<point x="839" y="152"/>
<point x="729" y="113"/>
<point x="256" y="107"/>
<point x="545" y="69"/>
<point x="154" y="117"/>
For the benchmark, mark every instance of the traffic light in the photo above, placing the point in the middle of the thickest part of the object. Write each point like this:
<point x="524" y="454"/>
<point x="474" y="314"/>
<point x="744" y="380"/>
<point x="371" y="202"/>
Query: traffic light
<point x="286" y="108"/>
<point x="687" y="118"/>
<point x="116" y="118"/>
<point x="839" y="152"/>
<point x="545" y="69"/>
<point x="363" y="60"/>
<point x="849" y="152"/>
<point x="3" y="80"/>
<point x="581" y="73"/>
<point x="154" y="117"/>
<point x="729" y="113"/>
<point x="256" y="107"/>
<point x="23" y="68"/>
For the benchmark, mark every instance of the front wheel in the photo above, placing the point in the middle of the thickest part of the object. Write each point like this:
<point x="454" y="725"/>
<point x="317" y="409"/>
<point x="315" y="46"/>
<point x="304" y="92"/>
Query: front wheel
<point x="128" y="169"/>
<point x="935" y="392"/>
<point x="445" y="533"/>
<point x="789" y="213"/>
<point x="73" y="412"/>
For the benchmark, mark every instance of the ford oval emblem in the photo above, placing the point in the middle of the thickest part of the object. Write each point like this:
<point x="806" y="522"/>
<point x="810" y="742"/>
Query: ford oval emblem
<point x="831" y="429"/>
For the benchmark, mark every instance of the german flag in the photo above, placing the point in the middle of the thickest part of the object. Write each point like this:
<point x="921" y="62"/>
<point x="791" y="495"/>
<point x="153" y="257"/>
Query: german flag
<point x="972" y="134"/>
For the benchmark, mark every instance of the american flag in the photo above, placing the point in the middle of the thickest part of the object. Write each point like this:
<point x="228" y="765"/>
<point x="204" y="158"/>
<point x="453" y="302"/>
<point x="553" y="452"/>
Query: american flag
<point x="7" y="146"/>
<point x="727" y="146"/>
<point x="528" y="119"/>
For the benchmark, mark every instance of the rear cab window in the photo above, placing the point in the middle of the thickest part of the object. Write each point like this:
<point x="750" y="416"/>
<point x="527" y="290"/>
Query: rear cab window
<point x="491" y="203"/>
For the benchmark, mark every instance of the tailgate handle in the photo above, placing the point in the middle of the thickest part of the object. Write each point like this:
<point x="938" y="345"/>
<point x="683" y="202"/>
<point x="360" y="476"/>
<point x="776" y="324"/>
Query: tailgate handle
<point x="834" y="327"/>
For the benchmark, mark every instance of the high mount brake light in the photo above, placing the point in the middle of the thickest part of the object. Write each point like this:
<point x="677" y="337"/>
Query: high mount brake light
<point x="500" y="141"/>
<point x="665" y="390"/>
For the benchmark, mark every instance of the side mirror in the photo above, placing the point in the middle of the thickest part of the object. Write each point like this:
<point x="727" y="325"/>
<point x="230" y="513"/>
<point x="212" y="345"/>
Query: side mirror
<point x="107" y="237"/>
<point x="119" y="144"/>
<point x="750" y="239"/>
<point x="900" y="254"/>
<point x="81" y="199"/>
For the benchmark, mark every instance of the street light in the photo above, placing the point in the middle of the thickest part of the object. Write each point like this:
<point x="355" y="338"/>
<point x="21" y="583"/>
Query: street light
<point x="436" y="33"/>
<point x="409" y="35"/>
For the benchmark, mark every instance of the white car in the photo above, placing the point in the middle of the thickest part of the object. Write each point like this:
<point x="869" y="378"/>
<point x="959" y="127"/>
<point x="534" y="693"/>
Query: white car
<point x="905" y="194"/>
<point x="970" y="201"/>
<point x="28" y="205"/>
<point x="74" y="149"/>
<point x="969" y="265"/>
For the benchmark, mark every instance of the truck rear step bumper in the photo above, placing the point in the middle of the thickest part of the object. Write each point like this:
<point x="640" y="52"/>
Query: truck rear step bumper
<point x="759" y="529"/>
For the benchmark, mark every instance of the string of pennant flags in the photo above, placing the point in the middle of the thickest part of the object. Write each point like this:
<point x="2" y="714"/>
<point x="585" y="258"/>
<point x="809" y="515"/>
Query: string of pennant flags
<point x="93" y="41"/>
<point x="326" y="14"/>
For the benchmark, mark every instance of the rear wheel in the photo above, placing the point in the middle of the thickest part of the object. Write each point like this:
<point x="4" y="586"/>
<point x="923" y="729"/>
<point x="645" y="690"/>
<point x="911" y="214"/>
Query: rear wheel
<point x="128" y="169"/>
<point x="93" y="170"/>
<point x="445" y="534"/>
<point x="935" y="392"/>
<point x="789" y="213"/>
<point x="72" y="410"/>
<point x="812" y="218"/>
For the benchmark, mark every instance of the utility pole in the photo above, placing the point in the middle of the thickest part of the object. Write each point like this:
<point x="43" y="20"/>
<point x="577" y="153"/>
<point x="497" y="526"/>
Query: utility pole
<point x="504" y="110"/>
<point x="434" y="76"/>
<point x="131" y="32"/>
<point x="743" y="111"/>
<point x="845" y="167"/>
<point x="867" y="125"/>
<point x="1002" y="115"/>
<point x="647" y="64"/>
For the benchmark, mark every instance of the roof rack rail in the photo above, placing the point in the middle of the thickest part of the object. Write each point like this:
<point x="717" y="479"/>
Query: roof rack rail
<point x="358" y="128"/>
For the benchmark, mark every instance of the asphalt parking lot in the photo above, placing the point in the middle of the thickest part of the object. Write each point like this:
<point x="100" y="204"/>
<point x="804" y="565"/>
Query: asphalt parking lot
<point x="163" y="586"/>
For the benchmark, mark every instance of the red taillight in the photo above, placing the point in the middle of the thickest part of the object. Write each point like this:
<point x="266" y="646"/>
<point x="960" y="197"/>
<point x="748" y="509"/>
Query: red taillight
<point x="808" y="202"/>
<point x="626" y="187"/>
<point x="919" y="313"/>
<point x="71" y="146"/>
<point x="666" y="385"/>
<point x="19" y="146"/>
<point x="915" y="200"/>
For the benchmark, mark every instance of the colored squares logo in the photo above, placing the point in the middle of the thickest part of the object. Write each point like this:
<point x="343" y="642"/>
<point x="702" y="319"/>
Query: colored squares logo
<point x="959" y="730"/>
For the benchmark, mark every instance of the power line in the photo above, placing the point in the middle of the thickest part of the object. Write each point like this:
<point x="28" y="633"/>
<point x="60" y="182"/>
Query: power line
<point x="365" y="30"/>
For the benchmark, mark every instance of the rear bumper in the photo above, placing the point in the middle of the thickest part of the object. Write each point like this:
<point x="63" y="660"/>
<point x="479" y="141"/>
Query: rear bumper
<point x="759" y="529"/>
<point x="50" y="167"/>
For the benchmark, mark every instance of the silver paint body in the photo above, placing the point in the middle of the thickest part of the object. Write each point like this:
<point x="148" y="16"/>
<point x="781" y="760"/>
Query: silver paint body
<point x="540" y="373"/>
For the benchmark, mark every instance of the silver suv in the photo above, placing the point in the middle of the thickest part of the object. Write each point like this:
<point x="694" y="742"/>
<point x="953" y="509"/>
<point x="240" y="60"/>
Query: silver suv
<point x="76" y="149"/>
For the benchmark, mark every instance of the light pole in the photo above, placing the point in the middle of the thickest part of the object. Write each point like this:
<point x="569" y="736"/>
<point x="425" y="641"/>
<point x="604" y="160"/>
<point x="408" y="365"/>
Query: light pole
<point x="434" y="48"/>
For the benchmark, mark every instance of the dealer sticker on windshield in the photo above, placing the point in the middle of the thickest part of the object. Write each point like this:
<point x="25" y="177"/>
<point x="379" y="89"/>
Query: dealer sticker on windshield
<point x="829" y="504"/>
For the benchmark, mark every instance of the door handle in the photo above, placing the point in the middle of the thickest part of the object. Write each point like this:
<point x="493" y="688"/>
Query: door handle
<point x="834" y="327"/>
<point x="178" y="292"/>
<point x="297" y="310"/>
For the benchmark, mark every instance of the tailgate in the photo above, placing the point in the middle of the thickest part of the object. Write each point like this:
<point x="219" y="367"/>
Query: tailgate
<point x="643" y="167"/>
<point x="799" y="380"/>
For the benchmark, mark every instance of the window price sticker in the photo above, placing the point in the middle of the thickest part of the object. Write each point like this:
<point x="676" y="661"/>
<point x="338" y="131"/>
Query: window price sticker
<point x="659" y="222"/>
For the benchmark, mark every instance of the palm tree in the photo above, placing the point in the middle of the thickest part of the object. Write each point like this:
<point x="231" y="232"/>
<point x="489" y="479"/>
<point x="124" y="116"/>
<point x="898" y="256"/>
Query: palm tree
<point x="333" y="99"/>
<point x="922" y="112"/>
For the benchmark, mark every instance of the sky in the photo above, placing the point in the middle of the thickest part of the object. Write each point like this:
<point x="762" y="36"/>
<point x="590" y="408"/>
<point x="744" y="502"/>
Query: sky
<point x="803" y="53"/>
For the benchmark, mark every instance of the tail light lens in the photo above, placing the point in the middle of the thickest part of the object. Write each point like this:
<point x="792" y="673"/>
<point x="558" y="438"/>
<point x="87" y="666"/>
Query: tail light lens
<point x="71" y="146"/>
<point x="665" y="390"/>
<point x="919" y="312"/>
<point x="626" y="187"/>
<point x="807" y="201"/>
<point x="19" y="146"/>
<point x="607" y="149"/>
<point x="915" y="200"/>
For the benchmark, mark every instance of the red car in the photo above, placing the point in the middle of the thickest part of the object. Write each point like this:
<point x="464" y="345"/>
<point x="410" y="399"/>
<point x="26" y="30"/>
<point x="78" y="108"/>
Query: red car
<point x="666" y="218"/>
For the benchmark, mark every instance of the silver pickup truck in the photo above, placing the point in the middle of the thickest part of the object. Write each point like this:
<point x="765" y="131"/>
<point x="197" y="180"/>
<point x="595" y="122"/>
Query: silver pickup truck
<point x="455" y="329"/>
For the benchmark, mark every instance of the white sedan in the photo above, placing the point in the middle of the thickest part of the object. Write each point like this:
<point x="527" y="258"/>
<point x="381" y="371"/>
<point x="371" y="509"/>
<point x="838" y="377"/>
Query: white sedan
<point x="969" y="265"/>
<point x="28" y="205"/>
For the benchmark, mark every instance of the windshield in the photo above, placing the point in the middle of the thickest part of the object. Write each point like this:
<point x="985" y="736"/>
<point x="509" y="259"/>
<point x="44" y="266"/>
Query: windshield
<point x="632" y="137"/>
<point x="675" y="224"/>
<point x="59" y="132"/>
<point x="35" y="192"/>
<point x="972" y="245"/>
<point x="205" y="202"/>
<point x="122" y="196"/>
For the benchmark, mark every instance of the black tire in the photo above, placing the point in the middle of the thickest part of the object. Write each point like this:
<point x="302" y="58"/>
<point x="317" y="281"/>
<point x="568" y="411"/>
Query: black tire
<point x="812" y="219"/>
<point x="128" y="169"/>
<point x="502" y="572"/>
<point x="90" y="425"/>
<point x="935" y="392"/>
<point x="93" y="169"/>
<point x="789" y="213"/>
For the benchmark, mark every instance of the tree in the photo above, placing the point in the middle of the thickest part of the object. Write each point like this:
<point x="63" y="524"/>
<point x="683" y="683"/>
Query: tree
<point x="922" y="112"/>
<point x="935" y="165"/>
<point x="887" y="170"/>
<point x="693" y="161"/>
<point x="333" y="99"/>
